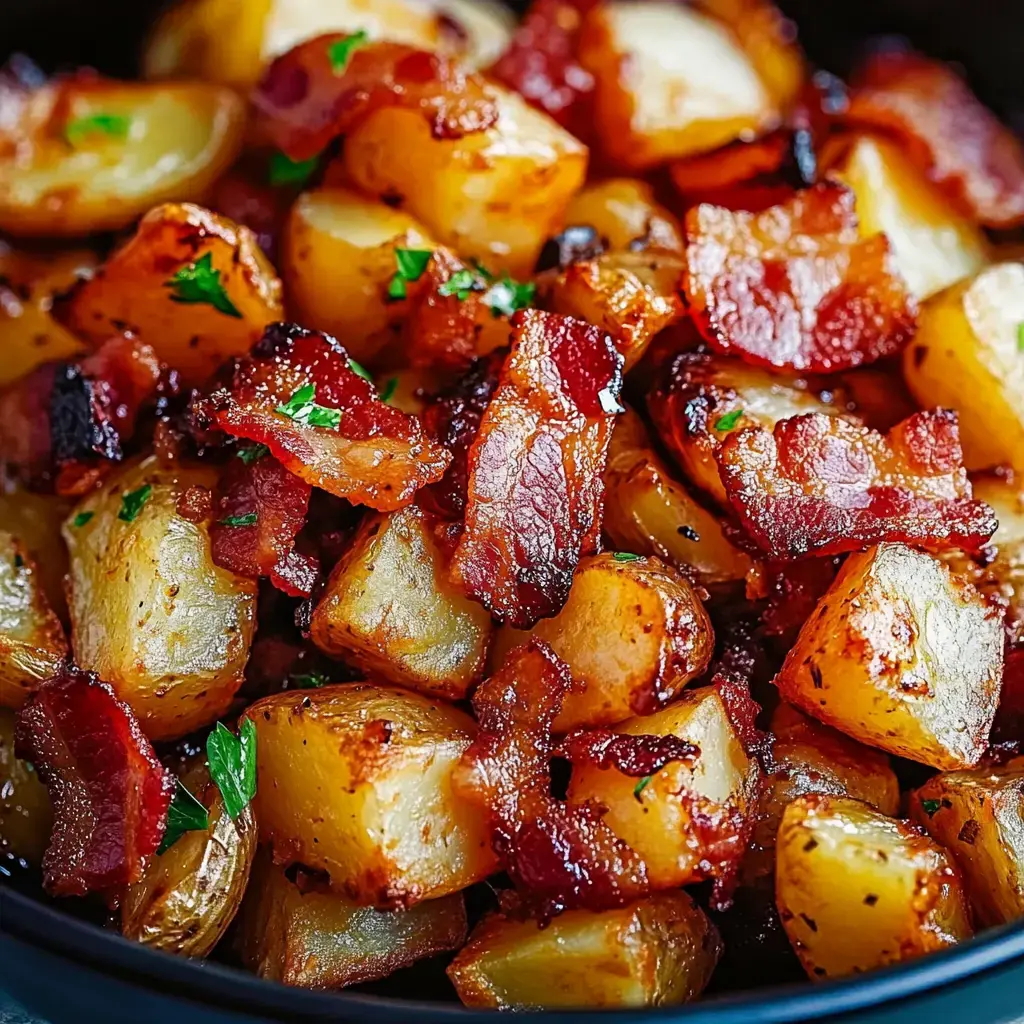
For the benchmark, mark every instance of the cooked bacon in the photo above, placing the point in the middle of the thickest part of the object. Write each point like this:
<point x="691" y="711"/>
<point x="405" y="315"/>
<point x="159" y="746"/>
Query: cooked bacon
<point x="246" y="199"/>
<point x="943" y="127"/>
<point x="376" y="456"/>
<point x="735" y="164"/>
<point x="110" y="794"/>
<point x="795" y="590"/>
<point x="535" y="469"/>
<point x="632" y="755"/>
<point x="302" y="103"/>
<point x="819" y="485"/>
<point x="795" y="287"/>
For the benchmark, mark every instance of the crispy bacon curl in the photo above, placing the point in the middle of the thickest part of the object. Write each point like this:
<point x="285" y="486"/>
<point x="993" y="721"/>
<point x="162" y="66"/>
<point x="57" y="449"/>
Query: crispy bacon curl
<point x="305" y="100"/>
<point x="635" y="756"/>
<point x="819" y="485"/>
<point x="110" y="794"/>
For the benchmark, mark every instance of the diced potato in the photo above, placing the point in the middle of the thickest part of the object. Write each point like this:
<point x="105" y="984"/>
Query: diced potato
<point x="135" y="290"/>
<point x="625" y="215"/>
<point x="667" y="819"/>
<point x="934" y="246"/>
<point x="60" y="174"/>
<point x="486" y="28"/>
<point x="633" y="634"/>
<point x="390" y="608"/>
<point x="1003" y="577"/>
<point x="967" y="355"/>
<point x="978" y="816"/>
<point x="670" y="82"/>
<point x="315" y="938"/>
<point x="903" y="655"/>
<point x="26" y="815"/>
<point x="647" y="512"/>
<point x="150" y="612"/>
<point x="36" y="520"/>
<point x="659" y="951"/>
<point x="494" y="196"/>
<point x="32" y="644"/>
<point x="356" y="780"/>
<point x="857" y="890"/>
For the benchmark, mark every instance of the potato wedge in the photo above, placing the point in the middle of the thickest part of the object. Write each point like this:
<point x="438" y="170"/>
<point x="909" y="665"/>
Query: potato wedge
<point x="136" y="289"/>
<point x="657" y="816"/>
<point x="390" y="608"/>
<point x="308" y="936"/>
<point x="190" y="893"/>
<point x="84" y="154"/>
<point x="967" y="356"/>
<point x="626" y="216"/>
<point x="36" y="520"/>
<point x="633" y="634"/>
<point x="659" y="951"/>
<point x="903" y="655"/>
<point x="26" y="815"/>
<point x="340" y="769"/>
<point x="857" y="890"/>
<point x="494" y="196"/>
<point x="150" y="612"/>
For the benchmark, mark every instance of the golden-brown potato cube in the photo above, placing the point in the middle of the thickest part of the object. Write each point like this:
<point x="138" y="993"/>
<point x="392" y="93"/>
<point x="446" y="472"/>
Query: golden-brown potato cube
<point x="967" y="355"/>
<point x="857" y="890"/>
<point x="657" y="816"/>
<point x="494" y="196"/>
<point x="312" y="937"/>
<point x="933" y="245"/>
<point x="659" y="951"/>
<point x="978" y="816"/>
<point x="36" y="520"/>
<point x="903" y="655"/>
<point x="32" y="643"/>
<point x="140" y="289"/>
<point x="87" y="155"/>
<point x="647" y="512"/>
<point x="633" y="633"/>
<point x="26" y="815"/>
<point x="390" y="608"/>
<point x="190" y="893"/>
<point x="150" y="612"/>
<point x="625" y="215"/>
<point x="356" y="780"/>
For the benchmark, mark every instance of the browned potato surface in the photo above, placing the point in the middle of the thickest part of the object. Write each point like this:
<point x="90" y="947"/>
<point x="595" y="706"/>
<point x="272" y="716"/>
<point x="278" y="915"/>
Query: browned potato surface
<point x="26" y="816"/>
<point x="36" y="520"/>
<point x="626" y="215"/>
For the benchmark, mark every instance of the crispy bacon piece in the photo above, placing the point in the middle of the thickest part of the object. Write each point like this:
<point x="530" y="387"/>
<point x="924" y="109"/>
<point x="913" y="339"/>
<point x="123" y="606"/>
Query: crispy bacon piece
<point x="376" y="455"/>
<point x="632" y="755"/>
<point x="535" y="469"/>
<point x="795" y="590"/>
<point x="246" y="199"/>
<point x="302" y="102"/>
<point x="795" y="287"/>
<point x="943" y="127"/>
<point x="110" y="794"/>
<point x="819" y="485"/>
<point x="731" y="165"/>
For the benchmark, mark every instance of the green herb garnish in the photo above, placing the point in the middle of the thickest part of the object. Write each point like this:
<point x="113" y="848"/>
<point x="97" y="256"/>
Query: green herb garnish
<point x="199" y="282"/>
<point x="308" y="680"/>
<point x="249" y="519"/>
<point x="114" y="125"/>
<point x="341" y="51"/>
<point x="508" y="296"/>
<point x="186" y="814"/>
<point x="729" y="420"/>
<point x="389" y="390"/>
<point x="232" y="761"/>
<point x="359" y="370"/>
<point x="285" y="171"/>
<point x="641" y="786"/>
<point x="460" y="284"/>
<point x="302" y="408"/>
<point x="411" y="264"/>
<point x="1020" y="337"/>
<point x="252" y="453"/>
<point x="625" y="556"/>
<point x="82" y="518"/>
<point x="930" y="807"/>
<point x="132" y="503"/>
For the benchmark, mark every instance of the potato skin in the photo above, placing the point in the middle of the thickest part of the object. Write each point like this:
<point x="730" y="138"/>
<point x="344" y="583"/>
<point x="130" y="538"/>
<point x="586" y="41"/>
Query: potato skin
<point x="902" y="655"/>
<point x="26" y="814"/>
<point x="36" y="520"/>
<point x="150" y="612"/>
<point x="339" y="769"/>
<point x="659" y="951"/>
<point x="634" y="633"/>
<point x="857" y="890"/>
<point x="624" y="212"/>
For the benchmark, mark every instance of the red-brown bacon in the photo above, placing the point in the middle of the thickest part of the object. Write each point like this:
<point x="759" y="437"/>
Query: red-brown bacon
<point x="110" y="794"/>
<point x="636" y="756"/>
<point x="376" y="456"/>
<point x="941" y="125"/>
<point x="302" y="103"/>
<point x="795" y="287"/>
<point x="535" y="469"/>
<point x="818" y="485"/>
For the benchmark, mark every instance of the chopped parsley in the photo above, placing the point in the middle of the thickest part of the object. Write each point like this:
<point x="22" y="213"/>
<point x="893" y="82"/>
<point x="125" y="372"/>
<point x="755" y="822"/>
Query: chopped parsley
<point x="340" y="52"/>
<point x="186" y="814"/>
<point x="641" y="786"/>
<point x="132" y="503"/>
<point x="285" y="171"/>
<point x="460" y="284"/>
<point x="116" y="126"/>
<point x="930" y="807"/>
<point x="252" y="453"/>
<point x="729" y="420"/>
<point x="232" y="761"/>
<point x="625" y="556"/>
<point x="507" y="296"/>
<point x="359" y="370"/>
<point x="82" y="518"/>
<point x="1020" y="337"/>
<point x="249" y="519"/>
<point x="389" y="390"/>
<point x="199" y="282"/>
<point x="302" y="408"/>
<point x="308" y="680"/>
<point x="411" y="264"/>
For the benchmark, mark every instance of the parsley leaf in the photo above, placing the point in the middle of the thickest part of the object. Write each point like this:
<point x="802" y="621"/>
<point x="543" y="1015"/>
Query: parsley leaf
<point x="132" y="503"/>
<point x="359" y="370"/>
<point x="252" y="453"/>
<point x="930" y="807"/>
<point x="729" y="420"/>
<point x="114" y="125"/>
<point x="285" y="171"/>
<point x="341" y="51"/>
<point x="249" y="519"/>
<point x="186" y="814"/>
<point x="82" y="518"/>
<point x="302" y="408"/>
<point x="232" y="761"/>
<point x="389" y="389"/>
<point x="199" y="282"/>
<point x="625" y="556"/>
<point x="308" y="680"/>
<point x="460" y="284"/>
<point x="411" y="264"/>
<point x="507" y="296"/>
<point x="1020" y="337"/>
<point x="641" y="786"/>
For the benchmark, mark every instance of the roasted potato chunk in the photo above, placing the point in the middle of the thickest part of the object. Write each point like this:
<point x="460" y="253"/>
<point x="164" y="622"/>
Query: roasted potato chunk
<point x="633" y="634"/>
<point x="494" y="196"/>
<point x="150" y="612"/>
<point x="967" y="356"/>
<point x="857" y="890"/>
<point x="306" y="935"/>
<point x="356" y="780"/>
<point x="626" y="216"/>
<point x="26" y="815"/>
<point x="189" y="894"/>
<point x="36" y="520"/>
<point x="83" y="155"/>
<point x="390" y="608"/>
<point x="670" y="817"/>
<point x="145" y="287"/>
<point x="659" y="951"/>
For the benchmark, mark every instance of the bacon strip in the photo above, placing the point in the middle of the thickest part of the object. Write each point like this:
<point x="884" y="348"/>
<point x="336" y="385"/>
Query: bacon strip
<point x="636" y="756"/>
<point x="819" y="485"/>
